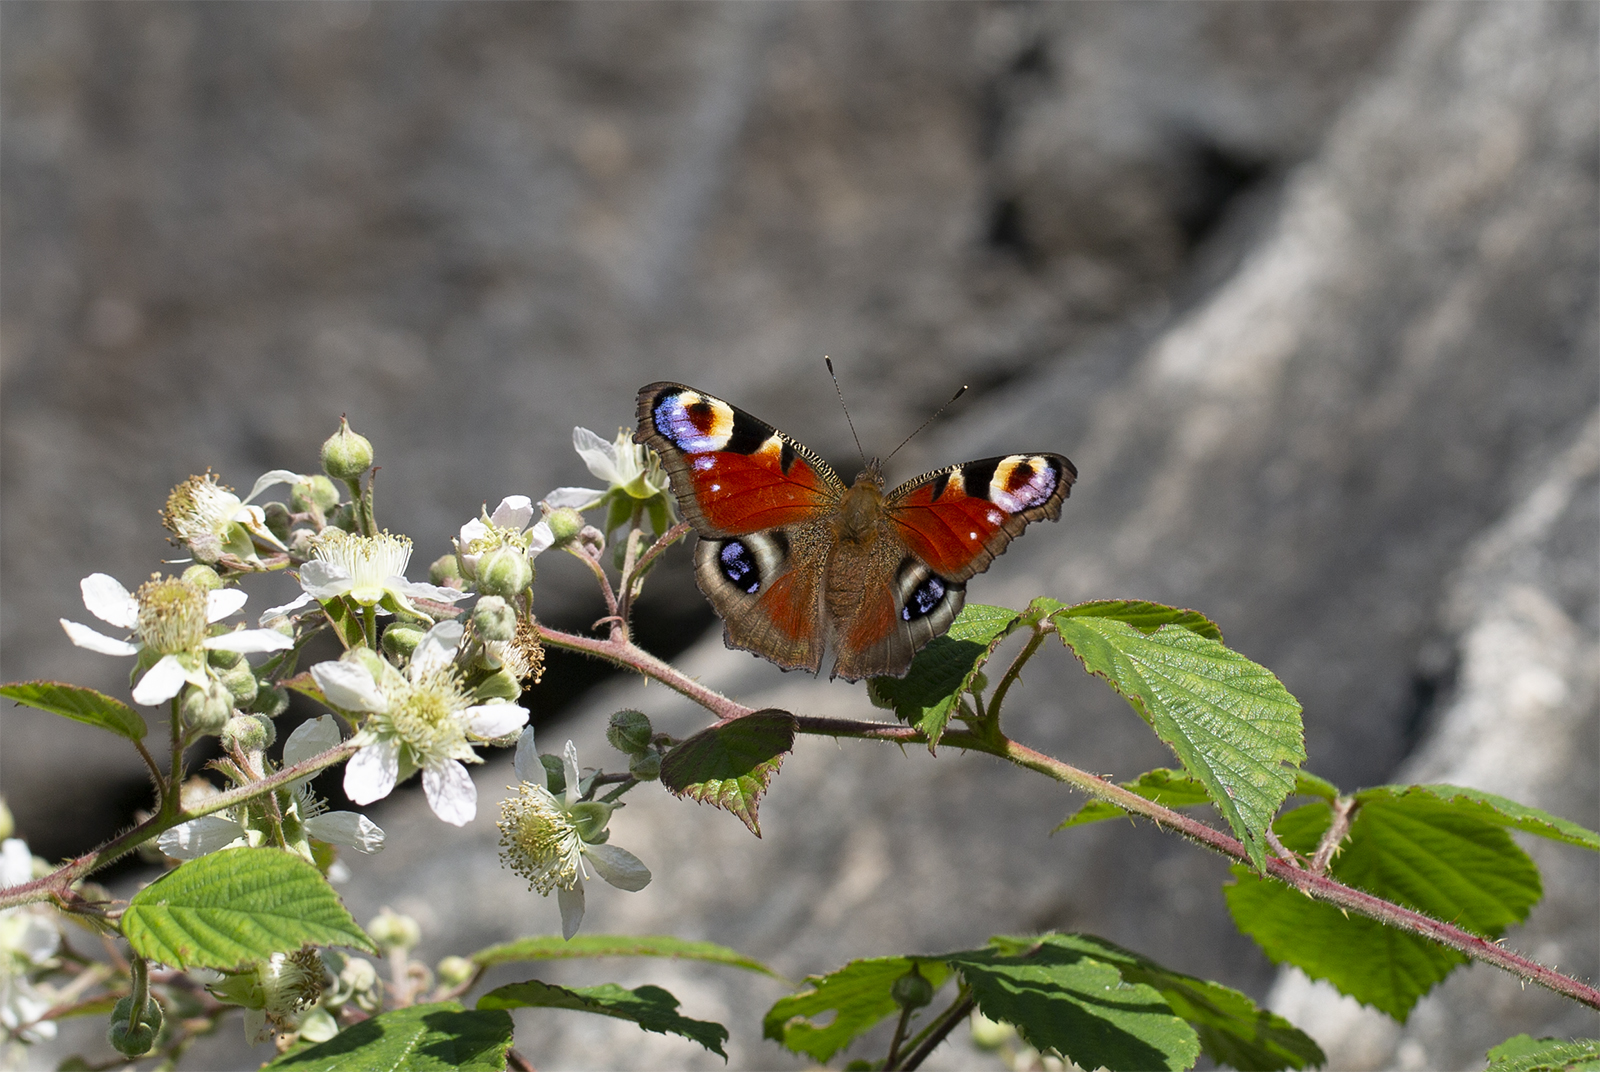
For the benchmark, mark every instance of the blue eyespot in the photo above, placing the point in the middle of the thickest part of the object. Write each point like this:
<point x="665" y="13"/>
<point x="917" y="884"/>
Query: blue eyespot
<point x="739" y="566"/>
<point x="927" y="596"/>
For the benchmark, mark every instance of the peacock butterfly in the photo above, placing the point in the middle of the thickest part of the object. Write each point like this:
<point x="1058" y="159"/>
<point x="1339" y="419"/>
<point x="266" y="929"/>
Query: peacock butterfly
<point x="794" y="561"/>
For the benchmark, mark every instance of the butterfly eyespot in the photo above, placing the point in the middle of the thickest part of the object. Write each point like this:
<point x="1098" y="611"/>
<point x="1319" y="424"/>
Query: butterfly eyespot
<point x="739" y="566"/>
<point x="925" y="598"/>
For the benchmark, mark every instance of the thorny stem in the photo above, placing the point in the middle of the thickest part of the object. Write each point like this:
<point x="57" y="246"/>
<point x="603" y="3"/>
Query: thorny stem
<point x="1344" y="810"/>
<point x="899" y="1037"/>
<point x="1309" y="882"/>
<point x="633" y="572"/>
<point x="624" y="653"/>
<point x="953" y="1016"/>
<point x="57" y="886"/>
<point x="1014" y="671"/>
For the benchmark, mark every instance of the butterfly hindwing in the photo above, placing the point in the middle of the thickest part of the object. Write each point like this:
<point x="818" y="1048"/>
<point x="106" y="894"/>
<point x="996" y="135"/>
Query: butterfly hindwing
<point x="958" y="519"/>
<point x="767" y="588"/>
<point x="732" y="473"/>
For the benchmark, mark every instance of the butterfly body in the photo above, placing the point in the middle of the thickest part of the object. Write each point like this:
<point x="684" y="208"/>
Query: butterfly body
<point x="797" y="563"/>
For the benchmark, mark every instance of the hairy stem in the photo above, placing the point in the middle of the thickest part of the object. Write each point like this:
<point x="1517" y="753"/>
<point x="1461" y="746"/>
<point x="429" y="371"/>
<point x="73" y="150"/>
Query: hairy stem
<point x="623" y="652"/>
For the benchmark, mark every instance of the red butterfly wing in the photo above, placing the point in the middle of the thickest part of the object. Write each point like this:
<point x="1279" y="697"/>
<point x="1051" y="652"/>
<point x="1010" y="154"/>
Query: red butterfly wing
<point x="958" y="519"/>
<point x="732" y="473"/>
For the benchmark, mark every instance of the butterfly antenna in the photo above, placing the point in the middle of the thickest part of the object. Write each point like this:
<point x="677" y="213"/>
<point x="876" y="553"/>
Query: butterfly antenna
<point x="929" y="421"/>
<point x="840" y="391"/>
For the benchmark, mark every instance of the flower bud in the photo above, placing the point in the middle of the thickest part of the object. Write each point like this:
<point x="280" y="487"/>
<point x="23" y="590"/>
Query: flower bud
<point x="646" y="767"/>
<point x="206" y="547"/>
<point x="911" y="990"/>
<point x="369" y="659"/>
<point x="346" y="455"/>
<point x="8" y="825"/>
<point x="134" y="1041"/>
<point x="278" y="520"/>
<point x="203" y="577"/>
<point x="565" y="524"/>
<point x="504" y="572"/>
<point x="241" y="682"/>
<point x="206" y="710"/>
<point x="500" y="685"/>
<point x="592" y="540"/>
<point x="453" y="971"/>
<point x="401" y="639"/>
<point x="271" y="701"/>
<point x="445" y="571"/>
<point x="343" y="517"/>
<point x="246" y="733"/>
<point x="494" y="619"/>
<point x="317" y="1025"/>
<point x="316" y="491"/>
<point x="393" y="931"/>
<point x="629" y="731"/>
<point x="223" y="660"/>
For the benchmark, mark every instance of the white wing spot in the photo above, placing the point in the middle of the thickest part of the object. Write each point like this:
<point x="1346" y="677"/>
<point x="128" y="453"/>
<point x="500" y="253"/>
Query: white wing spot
<point x="996" y="517"/>
<point x="704" y="462"/>
<point x="972" y="535"/>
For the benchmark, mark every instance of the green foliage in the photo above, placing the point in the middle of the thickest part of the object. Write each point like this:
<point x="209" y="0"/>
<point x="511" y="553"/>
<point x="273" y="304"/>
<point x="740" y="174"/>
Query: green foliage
<point x="651" y="1007"/>
<point x="1233" y="1030"/>
<point x="1523" y="1053"/>
<point x="945" y="669"/>
<point x="237" y="906"/>
<point x="730" y="764"/>
<point x="1229" y="720"/>
<point x="857" y="997"/>
<point x="1419" y="850"/>
<point x="1063" y="1000"/>
<point x="1494" y="809"/>
<point x="80" y="705"/>
<point x="1307" y="784"/>
<point x="1144" y="616"/>
<point x="551" y="947"/>
<point x="419" y="1038"/>
<point x="1169" y="788"/>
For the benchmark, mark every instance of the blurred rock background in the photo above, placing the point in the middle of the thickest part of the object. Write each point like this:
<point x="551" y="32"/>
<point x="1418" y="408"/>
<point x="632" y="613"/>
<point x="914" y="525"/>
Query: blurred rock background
<point x="1307" y="291"/>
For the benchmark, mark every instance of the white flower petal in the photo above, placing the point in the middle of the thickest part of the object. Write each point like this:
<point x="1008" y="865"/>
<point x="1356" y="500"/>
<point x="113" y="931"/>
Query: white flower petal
<point x="598" y="454"/>
<point x="526" y="762"/>
<point x="161" y="683"/>
<point x="270" y="479"/>
<point x="371" y="773"/>
<point x="324" y="580"/>
<point x="514" y="512"/>
<point x="200" y="836"/>
<point x="250" y="641"/>
<point x="451" y="794"/>
<point x="16" y="862"/>
<point x="436" y="649"/>
<point x="471" y="531"/>
<point x="37" y="940"/>
<point x="222" y="602"/>
<point x="540" y="538"/>
<point x="577" y="498"/>
<point x="569" y="765"/>
<point x="85" y="637"/>
<point x="424" y="590"/>
<point x="107" y="600"/>
<point x="571" y="902"/>
<point x="311" y="738"/>
<point x="619" y="867"/>
<point x="278" y="612"/>
<point x="349" y="686"/>
<point x="348" y="828"/>
<point x="488" y="721"/>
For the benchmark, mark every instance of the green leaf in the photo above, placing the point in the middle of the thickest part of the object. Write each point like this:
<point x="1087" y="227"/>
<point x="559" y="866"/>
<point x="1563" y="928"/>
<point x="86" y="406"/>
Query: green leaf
<point x="1233" y="1030"/>
<point x="1497" y="810"/>
<point x="945" y="669"/>
<point x="1307" y="784"/>
<point x="729" y="765"/>
<point x="80" y="705"/>
<point x="1173" y="789"/>
<point x="1523" y="1053"/>
<point x="418" y="1038"/>
<point x="858" y="995"/>
<point x="236" y="906"/>
<point x="1414" y="849"/>
<point x="1144" y="616"/>
<point x="549" y="947"/>
<point x="305" y="685"/>
<point x="1064" y="1000"/>
<point x="651" y="1007"/>
<point x="1230" y="721"/>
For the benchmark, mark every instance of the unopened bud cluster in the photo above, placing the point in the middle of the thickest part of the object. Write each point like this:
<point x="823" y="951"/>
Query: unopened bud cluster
<point x="630" y="732"/>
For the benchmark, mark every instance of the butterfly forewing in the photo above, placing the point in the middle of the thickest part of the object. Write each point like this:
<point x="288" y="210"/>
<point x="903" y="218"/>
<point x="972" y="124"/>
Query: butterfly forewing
<point x="958" y="519"/>
<point x="732" y="473"/>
